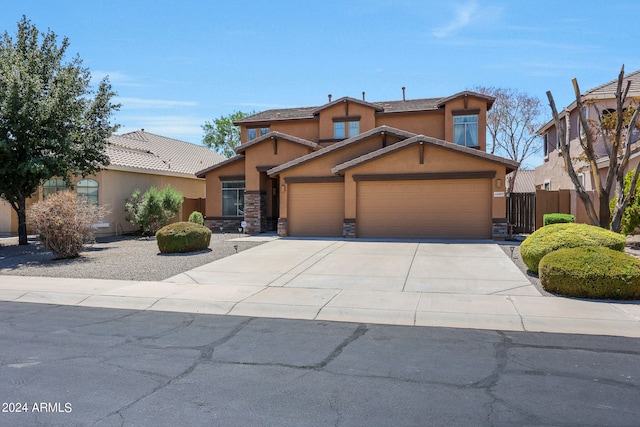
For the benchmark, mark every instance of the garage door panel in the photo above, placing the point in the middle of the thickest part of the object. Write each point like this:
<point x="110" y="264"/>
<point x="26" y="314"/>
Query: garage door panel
<point x="315" y="209"/>
<point x="438" y="209"/>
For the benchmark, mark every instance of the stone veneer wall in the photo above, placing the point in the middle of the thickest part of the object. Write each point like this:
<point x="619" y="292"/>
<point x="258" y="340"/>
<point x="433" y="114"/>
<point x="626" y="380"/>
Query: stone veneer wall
<point x="349" y="228"/>
<point x="500" y="229"/>
<point x="282" y="227"/>
<point x="221" y="224"/>
<point x="255" y="211"/>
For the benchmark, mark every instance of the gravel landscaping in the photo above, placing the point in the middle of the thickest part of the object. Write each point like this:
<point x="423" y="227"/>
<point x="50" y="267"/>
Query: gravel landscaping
<point x="123" y="258"/>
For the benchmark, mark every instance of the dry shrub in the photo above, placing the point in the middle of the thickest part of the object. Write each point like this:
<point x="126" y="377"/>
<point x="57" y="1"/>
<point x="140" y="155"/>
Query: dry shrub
<point x="64" y="222"/>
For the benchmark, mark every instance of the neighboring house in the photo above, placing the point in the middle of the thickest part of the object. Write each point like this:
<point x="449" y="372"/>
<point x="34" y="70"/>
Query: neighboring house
<point x="139" y="160"/>
<point x="409" y="168"/>
<point x="525" y="181"/>
<point x="551" y="175"/>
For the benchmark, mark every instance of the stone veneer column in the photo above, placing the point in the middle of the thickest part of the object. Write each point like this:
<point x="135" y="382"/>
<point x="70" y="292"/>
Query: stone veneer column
<point x="282" y="227"/>
<point x="255" y="211"/>
<point x="349" y="228"/>
<point x="500" y="229"/>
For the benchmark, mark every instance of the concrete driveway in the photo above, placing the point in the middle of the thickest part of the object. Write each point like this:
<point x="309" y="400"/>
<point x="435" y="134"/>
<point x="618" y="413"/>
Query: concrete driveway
<point x="454" y="284"/>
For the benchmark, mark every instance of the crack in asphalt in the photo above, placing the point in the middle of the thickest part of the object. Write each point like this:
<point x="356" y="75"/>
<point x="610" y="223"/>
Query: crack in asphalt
<point x="206" y="352"/>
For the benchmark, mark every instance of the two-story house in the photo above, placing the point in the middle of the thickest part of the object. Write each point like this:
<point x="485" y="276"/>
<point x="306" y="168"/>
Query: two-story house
<point x="413" y="168"/>
<point x="552" y="175"/>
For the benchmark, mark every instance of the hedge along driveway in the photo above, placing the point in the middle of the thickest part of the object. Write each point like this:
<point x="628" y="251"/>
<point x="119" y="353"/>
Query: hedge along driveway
<point x="568" y="235"/>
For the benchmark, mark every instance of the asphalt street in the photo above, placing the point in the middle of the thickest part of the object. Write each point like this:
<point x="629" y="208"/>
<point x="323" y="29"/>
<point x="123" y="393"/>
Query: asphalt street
<point x="65" y="365"/>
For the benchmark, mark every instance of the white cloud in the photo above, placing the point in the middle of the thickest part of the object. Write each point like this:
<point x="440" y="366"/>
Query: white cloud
<point x="463" y="17"/>
<point x="140" y="103"/>
<point x="184" y="128"/>
<point x="116" y="78"/>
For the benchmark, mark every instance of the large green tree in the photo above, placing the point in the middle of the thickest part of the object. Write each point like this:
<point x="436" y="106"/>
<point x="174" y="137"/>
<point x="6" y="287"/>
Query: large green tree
<point x="52" y="122"/>
<point x="221" y="135"/>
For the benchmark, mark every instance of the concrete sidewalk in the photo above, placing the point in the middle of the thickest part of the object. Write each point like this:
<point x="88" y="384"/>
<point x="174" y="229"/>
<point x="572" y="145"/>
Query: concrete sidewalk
<point x="453" y="284"/>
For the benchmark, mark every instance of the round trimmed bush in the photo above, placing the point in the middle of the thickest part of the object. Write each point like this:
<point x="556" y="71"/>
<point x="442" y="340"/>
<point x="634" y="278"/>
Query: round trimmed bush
<point x="181" y="237"/>
<point x="196" y="217"/>
<point x="566" y="235"/>
<point x="591" y="272"/>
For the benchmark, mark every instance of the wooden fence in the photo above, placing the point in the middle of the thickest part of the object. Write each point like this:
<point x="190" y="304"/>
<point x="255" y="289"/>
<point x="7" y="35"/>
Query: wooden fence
<point x="521" y="212"/>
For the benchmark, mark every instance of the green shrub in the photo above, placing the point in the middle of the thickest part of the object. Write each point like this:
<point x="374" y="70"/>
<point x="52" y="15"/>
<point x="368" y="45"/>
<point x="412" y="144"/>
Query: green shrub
<point x="63" y="222"/>
<point x="181" y="237"/>
<point x="557" y="218"/>
<point x="154" y="209"/>
<point x="566" y="235"/>
<point x="591" y="272"/>
<point x="196" y="217"/>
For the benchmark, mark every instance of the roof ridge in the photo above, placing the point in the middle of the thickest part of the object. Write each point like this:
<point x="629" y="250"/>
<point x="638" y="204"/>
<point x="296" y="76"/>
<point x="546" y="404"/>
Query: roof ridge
<point x="624" y="78"/>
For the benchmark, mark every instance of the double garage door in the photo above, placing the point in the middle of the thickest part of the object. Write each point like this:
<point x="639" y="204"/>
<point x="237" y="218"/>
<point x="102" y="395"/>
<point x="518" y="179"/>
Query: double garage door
<point x="402" y="209"/>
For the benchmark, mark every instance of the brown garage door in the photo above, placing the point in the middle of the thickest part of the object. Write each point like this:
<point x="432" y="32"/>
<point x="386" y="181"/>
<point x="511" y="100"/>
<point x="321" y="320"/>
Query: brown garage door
<point x="316" y="209"/>
<point x="438" y="209"/>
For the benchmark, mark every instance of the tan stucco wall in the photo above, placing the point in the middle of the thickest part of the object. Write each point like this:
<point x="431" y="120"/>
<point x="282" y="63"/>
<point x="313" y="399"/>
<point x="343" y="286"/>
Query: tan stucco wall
<point x="305" y="129"/>
<point x="345" y="109"/>
<point x="263" y="154"/>
<point x="428" y="124"/>
<point x="214" y="186"/>
<point x="6" y="212"/>
<point x="116" y="186"/>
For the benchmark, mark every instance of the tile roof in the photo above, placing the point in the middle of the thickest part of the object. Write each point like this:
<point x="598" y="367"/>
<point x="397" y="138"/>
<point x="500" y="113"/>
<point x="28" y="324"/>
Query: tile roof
<point x="608" y="90"/>
<point x="344" y="143"/>
<point x="525" y="181"/>
<point x="144" y="150"/>
<point x="270" y="135"/>
<point x="339" y="169"/>
<point x="604" y="91"/>
<point x="385" y="107"/>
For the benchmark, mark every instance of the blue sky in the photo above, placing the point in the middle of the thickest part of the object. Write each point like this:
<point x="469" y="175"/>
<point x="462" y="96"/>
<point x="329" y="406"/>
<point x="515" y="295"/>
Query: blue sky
<point x="176" y="64"/>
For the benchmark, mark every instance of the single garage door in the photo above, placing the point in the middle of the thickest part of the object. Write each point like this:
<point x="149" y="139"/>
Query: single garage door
<point x="459" y="208"/>
<point x="316" y="209"/>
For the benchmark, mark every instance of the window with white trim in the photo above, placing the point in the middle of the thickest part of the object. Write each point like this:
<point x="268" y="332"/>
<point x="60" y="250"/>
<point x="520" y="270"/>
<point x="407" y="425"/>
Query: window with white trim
<point x="88" y="188"/>
<point x="53" y="186"/>
<point x="465" y="130"/>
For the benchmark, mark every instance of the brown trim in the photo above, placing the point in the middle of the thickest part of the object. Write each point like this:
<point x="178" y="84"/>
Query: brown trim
<point x="465" y="112"/>
<point x="260" y="192"/>
<point x="330" y="140"/>
<point x="410" y="112"/>
<point x="347" y="119"/>
<point x="499" y="220"/>
<point x="264" y="168"/>
<point x="231" y="177"/>
<point x="312" y="179"/>
<point x="349" y="220"/>
<point x="429" y="176"/>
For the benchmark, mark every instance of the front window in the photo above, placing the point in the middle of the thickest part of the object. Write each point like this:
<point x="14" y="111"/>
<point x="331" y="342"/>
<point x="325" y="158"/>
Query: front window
<point x="545" y="145"/>
<point x="346" y="129"/>
<point x="233" y="198"/>
<point x="465" y="130"/>
<point x="253" y="133"/>
<point x="53" y="186"/>
<point x="88" y="188"/>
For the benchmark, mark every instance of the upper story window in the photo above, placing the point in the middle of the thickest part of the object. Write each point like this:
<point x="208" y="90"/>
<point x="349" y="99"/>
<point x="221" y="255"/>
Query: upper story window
<point x="88" y="188"/>
<point x="465" y="130"/>
<point x="545" y="145"/>
<point x="53" y="186"/>
<point x="346" y="129"/>
<point x="253" y="133"/>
